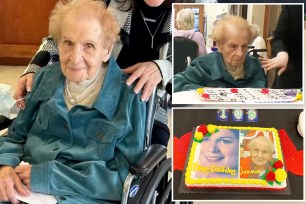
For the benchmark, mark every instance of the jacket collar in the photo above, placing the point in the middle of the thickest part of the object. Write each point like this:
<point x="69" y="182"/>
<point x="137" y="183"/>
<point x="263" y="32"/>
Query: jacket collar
<point x="108" y="98"/>
<point x="218" y="69"/>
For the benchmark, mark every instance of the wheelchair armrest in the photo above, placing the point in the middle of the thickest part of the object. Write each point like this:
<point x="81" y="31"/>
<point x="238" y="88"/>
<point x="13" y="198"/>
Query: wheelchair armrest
<point x="4" y="122"/>
<point x="148" y="160"/>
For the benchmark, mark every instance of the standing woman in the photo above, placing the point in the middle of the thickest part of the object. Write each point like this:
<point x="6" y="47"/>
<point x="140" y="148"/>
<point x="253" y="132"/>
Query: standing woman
<point x="287" y="49"/>
<point x="143" y="51"/>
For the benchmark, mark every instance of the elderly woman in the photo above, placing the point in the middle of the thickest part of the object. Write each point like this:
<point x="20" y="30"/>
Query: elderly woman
<point x="82" y="125"/>
<point x="229" y="67"/>
<point x="261" y="149"/>
<point x="287" y="49"/>
<point x="185" y="27"/>
<point x="143" y="51"/>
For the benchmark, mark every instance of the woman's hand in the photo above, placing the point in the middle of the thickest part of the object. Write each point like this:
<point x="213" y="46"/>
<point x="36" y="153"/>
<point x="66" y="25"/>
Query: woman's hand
<point x="24" y="85"/>
<point x="9" y="181"/>
<point x="279" y="62"/>
<point x="24" y="173"/>
<point x="149" y="76"/>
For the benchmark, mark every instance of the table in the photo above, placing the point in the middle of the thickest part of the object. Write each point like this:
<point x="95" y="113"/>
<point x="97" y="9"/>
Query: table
<point x="185" y="119"/>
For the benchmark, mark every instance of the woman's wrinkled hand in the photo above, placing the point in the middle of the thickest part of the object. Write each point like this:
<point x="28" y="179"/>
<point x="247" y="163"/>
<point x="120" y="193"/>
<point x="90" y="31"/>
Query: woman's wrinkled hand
<point x="24" y="173"/>
<point x="9" y="182"/>
<point x="149" y="76"/>
<point x="279" y="62"/>
<point x="24" y="85"/>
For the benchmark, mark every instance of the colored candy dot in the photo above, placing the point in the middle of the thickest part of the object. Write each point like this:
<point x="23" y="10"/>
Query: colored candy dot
<point x="234" y="90"/>
<point x="265" y="91"/>
<point x="299" y="96"/>
<point x="206" y="96"/>
<point x="200" y="90"/>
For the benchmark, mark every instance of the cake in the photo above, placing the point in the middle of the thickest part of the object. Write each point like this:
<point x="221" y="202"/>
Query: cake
<point x="235" y="157"/>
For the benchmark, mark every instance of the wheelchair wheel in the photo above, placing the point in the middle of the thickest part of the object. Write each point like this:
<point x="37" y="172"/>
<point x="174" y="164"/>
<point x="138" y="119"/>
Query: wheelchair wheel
<point x="165" y="195"/>
<point x="159" y="189"/>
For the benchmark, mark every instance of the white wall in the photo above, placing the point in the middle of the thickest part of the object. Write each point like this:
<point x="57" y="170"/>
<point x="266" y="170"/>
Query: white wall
<point x="256" y="15"/>
<point x="211" y="11"/>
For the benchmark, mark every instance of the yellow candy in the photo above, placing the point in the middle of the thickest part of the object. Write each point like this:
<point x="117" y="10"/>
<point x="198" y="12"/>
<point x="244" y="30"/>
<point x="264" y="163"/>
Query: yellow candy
<point x="200" y="90"/>
<point x="299" y="96"/>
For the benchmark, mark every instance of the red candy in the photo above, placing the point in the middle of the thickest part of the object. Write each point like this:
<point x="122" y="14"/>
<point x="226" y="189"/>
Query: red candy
<point x="265" y="91"/>
<point x="234" y="90"/>
<point x="206" y="96"/>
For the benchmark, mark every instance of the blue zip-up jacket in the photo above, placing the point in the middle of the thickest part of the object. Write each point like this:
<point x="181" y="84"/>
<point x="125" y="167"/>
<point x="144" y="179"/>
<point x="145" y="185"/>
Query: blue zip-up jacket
<point x="80" y="156"/>
<point x="210" y="71"/>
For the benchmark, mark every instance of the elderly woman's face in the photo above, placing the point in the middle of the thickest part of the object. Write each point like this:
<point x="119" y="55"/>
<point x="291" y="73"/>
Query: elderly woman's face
<point x="81" y="48"/>
<point x="235" y="47"/>
<point x="261" y="153"/>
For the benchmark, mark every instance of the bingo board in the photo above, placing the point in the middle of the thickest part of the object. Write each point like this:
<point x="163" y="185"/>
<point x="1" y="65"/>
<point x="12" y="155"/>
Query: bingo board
<point x="248" y="95"/>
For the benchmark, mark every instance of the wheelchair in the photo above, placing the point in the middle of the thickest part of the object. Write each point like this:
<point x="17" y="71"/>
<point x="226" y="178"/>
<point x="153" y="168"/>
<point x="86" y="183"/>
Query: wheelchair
<point x="255" y="51"/>
<point x="149" y="180"/>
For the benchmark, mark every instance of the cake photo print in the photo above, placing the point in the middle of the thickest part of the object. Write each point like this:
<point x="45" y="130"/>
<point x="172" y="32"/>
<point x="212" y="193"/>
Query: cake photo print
<point x="231" y="158"/>
<point x="218" y="159"/>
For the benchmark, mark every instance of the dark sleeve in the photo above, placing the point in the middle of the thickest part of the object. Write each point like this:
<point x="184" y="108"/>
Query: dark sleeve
<point x="259" y="79"/>
<point x="281" y="32"/>
<point x="195" y="76"/>
<point x="288" y="33"/>
<point x="12" y="145"/>
<point x="47" y="52"/>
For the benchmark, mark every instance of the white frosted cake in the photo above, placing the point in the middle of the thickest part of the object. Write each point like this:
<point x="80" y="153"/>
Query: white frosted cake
<point x="235" y="157"/>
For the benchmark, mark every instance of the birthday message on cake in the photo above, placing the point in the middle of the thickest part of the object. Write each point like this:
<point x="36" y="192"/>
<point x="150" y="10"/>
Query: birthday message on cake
<point x="249" y="171"/>
<point x="213" y="169"/>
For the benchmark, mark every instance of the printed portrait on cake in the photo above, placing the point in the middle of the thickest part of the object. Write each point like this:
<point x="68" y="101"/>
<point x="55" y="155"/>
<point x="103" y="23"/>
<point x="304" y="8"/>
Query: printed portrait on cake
<point x="219" y="155"/>
<point x="257" y="149"/>
<point x="232" y="156"/>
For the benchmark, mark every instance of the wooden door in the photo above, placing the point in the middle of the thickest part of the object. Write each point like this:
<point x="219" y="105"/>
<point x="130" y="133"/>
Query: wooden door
<point x="23" y="24"/>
